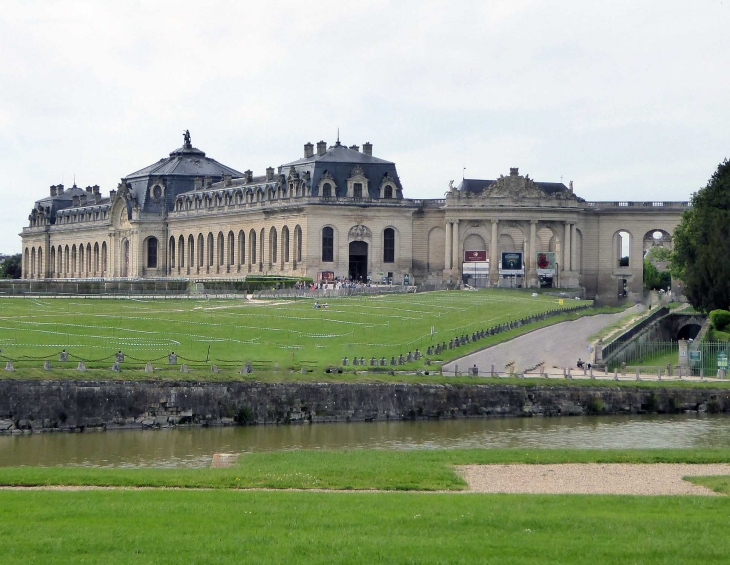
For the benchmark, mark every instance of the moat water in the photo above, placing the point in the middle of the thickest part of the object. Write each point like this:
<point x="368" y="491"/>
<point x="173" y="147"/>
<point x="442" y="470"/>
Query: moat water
<point x="194" y="447"/>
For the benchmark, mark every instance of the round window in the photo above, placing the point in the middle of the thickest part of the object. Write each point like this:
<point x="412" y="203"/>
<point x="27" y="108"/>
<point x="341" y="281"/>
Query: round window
<point x="157" y="192"/>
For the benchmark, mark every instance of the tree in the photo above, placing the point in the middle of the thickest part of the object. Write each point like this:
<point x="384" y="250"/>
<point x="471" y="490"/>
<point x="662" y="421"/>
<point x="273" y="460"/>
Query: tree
<point x="658" y="254"/>
<point x="652" y="278"/>
<point x="701" y="256"/>
<point x="11" y="268"/>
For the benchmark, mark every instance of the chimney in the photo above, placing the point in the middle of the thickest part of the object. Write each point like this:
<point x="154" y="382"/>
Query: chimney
<point x="59" y="189"/>
<point x="88" y="189"/>
<point x="308" y="150"/>
<point x="112" y="195"/>
<point x="367" y="148"/>
<point x="82" y="199"/>
<point x="270" y="170"/>
<point x="53" y="190"/>
<point x="321" y="147"/>
<point x="227" y="180"/>
<point x="249" y="175"/>
<point x="355" y="147"/>
<point x="207" y="181"/>
<point x="75" y="201"/>
<point x="198" y="183"/>
<point x="97" y="193"/>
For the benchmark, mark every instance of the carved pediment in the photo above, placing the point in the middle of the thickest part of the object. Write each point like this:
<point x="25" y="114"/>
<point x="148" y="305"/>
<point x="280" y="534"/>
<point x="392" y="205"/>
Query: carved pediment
<point x="514" y="186"/>
<point x="360" y="232"/>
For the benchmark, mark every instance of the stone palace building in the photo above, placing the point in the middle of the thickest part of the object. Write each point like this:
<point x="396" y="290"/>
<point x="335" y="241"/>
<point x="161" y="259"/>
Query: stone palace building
<point x="340" y="211"/>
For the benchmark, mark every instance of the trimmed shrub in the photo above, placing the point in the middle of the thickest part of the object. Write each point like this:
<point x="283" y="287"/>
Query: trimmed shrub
<point x="720" y="319"/>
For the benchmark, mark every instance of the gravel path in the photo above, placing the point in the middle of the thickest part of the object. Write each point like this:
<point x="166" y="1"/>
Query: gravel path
<point x="558" y="346"/>
<point x="590" y="478"/>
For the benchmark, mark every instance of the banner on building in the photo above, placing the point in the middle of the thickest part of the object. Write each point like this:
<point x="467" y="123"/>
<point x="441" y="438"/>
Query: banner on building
<point x="475" y="256"/>
<point x="325" y="276"/>
<point x="475" y="268"/>
<point x="545" y="262"/>
<point x="512" y="263"/>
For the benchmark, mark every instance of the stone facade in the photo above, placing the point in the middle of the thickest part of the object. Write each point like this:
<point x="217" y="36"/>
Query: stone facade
<point x="340" y="212"/>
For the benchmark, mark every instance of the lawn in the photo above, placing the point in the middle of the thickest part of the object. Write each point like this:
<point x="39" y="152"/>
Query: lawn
<point x="294" y="527"/>
<point x="290" y="333"/>
<point x="344" y="469"/>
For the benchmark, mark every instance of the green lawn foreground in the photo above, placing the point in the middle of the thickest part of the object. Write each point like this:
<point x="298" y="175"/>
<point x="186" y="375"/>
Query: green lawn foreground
<point x="293" y="527"/>
<point x="426" y="470"/>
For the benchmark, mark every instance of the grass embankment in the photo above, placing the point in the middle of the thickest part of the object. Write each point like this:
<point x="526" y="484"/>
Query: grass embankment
<point x="290" y="527"/>
<point x="230" y="333"/>
<point x="344" y="469"/>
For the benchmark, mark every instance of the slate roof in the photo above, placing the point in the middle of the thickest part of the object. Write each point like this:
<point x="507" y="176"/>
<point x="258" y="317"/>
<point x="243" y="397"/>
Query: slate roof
<point x="475" y="186"/>
<point x="341" y="154"/>
<point x="186" y="161"/>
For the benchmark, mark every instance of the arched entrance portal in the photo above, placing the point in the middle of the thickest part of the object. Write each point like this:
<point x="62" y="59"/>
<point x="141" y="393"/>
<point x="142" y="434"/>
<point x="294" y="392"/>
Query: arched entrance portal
<point x="358" y="270"/>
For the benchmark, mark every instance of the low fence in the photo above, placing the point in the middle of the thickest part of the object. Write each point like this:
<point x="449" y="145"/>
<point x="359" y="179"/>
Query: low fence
<point x="333" y="292"/>
<point x="640" y="353"/>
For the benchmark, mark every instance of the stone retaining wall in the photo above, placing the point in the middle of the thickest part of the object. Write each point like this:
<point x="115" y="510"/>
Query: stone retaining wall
<point x="72" y="406"/>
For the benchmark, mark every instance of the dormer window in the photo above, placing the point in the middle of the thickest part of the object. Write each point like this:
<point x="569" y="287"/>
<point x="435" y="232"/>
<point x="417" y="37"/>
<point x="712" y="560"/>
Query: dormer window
<point x="327" y="190"/>
<point x="388" y="192"/>
<point x="357" y="184"/>
<point x="357" y="190"/>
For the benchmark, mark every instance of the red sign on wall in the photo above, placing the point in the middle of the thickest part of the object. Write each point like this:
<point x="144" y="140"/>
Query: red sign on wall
<point x="472" y="256"/>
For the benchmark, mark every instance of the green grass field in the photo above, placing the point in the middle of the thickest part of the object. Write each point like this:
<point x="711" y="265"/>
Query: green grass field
<point x="232" y="332"/>
<point x="238" y="526"/>
<point x="353" y="528"/>
<point x="354" y="469"/>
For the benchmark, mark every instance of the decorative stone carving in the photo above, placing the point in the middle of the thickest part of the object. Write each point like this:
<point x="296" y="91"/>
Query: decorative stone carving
<point x="516" y="186"/>
<point x="360" y="232"/>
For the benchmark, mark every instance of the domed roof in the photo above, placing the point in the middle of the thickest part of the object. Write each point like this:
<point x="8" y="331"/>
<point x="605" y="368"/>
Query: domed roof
<point x="187" y="161"/>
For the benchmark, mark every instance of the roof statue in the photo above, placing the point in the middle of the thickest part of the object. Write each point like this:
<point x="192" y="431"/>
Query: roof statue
<point x="186" y="138"/>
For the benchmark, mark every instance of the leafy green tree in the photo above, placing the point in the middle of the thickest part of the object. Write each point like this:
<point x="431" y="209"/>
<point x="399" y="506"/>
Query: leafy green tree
<point x="658" y="254"/>
<point x="701" y="256"/>
<point x="652" y="278"/>
<point x="11" y="268"/>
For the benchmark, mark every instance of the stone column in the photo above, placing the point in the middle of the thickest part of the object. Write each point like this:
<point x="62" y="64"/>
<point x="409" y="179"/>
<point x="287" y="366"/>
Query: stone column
<point x="447" y="246"/>
<point x="455" y="261"/>
<point x="494" y="255"/>
<point x="532" y="259"/>
<point x="573" y="249"/>
<point x="566" y="253"/>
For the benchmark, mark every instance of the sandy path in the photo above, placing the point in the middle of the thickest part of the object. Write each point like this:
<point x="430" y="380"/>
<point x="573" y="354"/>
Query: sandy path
<point x="560" y="345"/>
<point x="590" y="478"/>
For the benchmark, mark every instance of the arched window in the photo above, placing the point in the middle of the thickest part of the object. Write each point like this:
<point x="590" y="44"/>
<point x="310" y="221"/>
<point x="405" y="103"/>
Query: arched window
<point x="327" y="190"/>
<point x="201" y="249"/>
<point x="210" y="249"/>
<point x="241" y="247"/>
<point x="172" y="251"/>
<point x="389" y="245"/>
<point x="285" y="244"/>
<point x="252" y="244"/>
<point x="388" y="192"/>
<point x="298" y="242"/>
<point x="181" y="251"/>
<point x="103" y="257"/>
<point x="221" y="249"/>
<point x="152" y="253"/>
<point x="231" y="248"/>
<point x="328" y="244"/>
<point x="272" y="245"/>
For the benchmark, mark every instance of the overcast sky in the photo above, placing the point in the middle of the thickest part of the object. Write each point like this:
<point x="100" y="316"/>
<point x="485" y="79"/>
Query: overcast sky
<point x="628" y="99"/>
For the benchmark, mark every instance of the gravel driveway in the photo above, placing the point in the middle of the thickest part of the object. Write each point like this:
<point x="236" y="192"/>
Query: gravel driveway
<point x="590" y="478"/>
<point x="559" y="345"/>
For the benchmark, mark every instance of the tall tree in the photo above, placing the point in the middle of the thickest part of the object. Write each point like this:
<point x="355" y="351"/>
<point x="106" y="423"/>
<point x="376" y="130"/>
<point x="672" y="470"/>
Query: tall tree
<point x="701" y="256"/>
<point x="11" y="267"/>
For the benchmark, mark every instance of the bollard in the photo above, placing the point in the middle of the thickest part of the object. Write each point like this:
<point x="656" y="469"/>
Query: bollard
<point x="456" y="370"/>
<point x="591" y="372"/>
<point x="669" y="369"/>
<point x="115" y="366"/>
<point x="214" y="368"/>
<point x="584" y="370"/>
<point x="659" y="374"/>
<point x="172" y="359"/>
<point x="9" y="366"/>
<point x="47" y="365"/>
<point x="565" y="375"/>
<point x="491" y="373"/>
<point x="638" y="375"/>
<point x="63" y="356"/>
<point x="81" y="366"/>
<point x="183" y="368"/>
<point x="148" y="368"/>
<point x="304" y="371"/>
<point x="570" y="375"/>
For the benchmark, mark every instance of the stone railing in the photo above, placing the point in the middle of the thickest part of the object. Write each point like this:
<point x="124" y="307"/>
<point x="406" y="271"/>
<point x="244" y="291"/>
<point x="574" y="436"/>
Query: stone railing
<point x="630" y="204"/>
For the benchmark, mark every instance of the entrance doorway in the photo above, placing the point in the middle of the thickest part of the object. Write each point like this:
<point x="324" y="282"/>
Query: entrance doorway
<point x="358" y="270"/>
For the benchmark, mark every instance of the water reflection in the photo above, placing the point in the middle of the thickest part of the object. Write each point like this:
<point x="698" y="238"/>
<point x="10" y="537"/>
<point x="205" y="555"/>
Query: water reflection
<point x="195" y="447"/>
